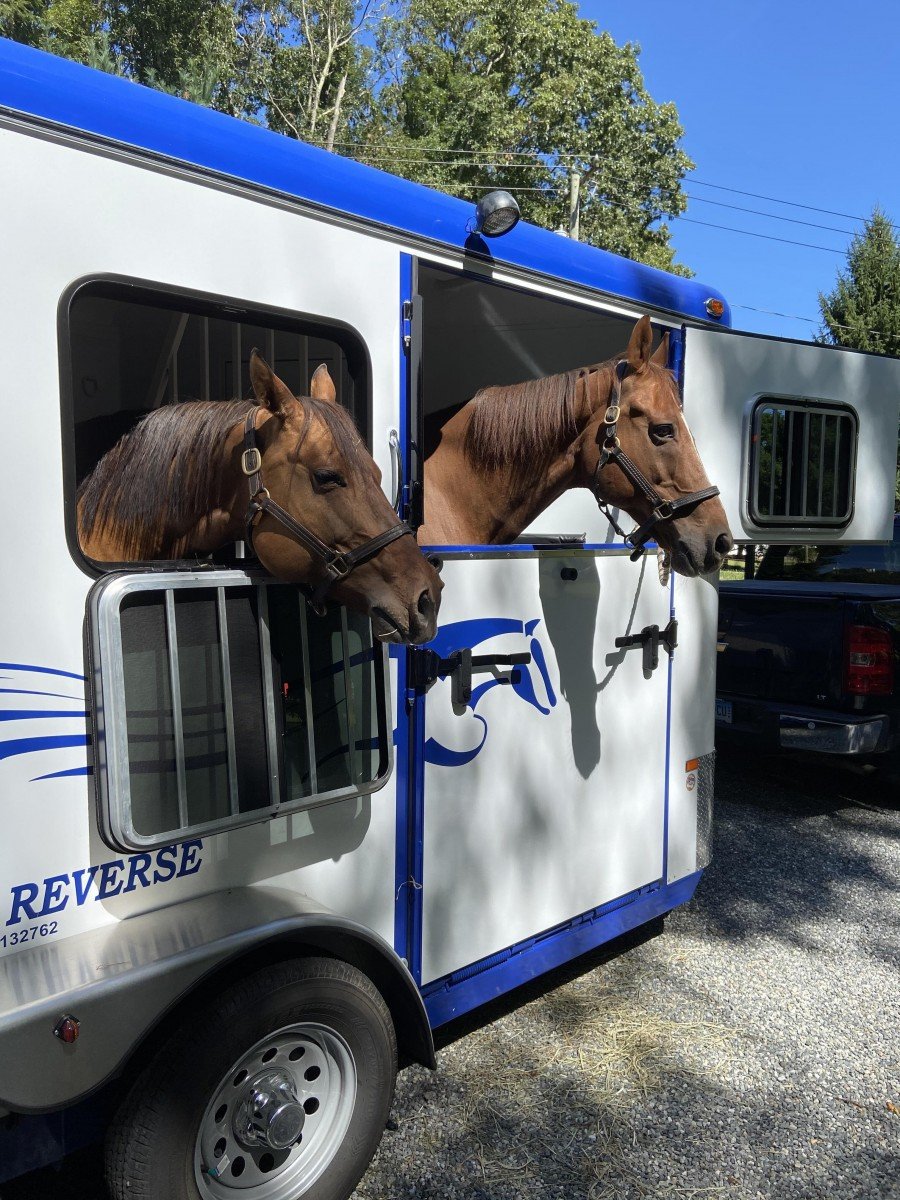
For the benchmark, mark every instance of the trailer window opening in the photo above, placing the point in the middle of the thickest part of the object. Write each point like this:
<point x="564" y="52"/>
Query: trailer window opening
<point x="477" y="333"/>
<point x="802" y="463"/>
<point x="225" y="702"/>
<point x="132" y="355"/>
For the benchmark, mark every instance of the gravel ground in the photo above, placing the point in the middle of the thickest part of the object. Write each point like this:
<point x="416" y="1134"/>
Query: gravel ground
<point x="752" y="1051"/>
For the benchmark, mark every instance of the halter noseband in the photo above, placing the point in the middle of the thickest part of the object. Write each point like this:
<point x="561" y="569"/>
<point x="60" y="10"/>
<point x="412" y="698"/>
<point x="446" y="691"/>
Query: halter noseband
<point x="336" y="566"/>
<point x="611" y="451"/>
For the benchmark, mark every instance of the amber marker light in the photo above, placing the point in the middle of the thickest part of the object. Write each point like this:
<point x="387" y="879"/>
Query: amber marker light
<point x="692" y="764"/>
<point x="67" y="1029"/>
<point x="714" y="307"/>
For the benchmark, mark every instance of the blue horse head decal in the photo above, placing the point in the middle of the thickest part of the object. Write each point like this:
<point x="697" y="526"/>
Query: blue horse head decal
<point x="461" y="634"/>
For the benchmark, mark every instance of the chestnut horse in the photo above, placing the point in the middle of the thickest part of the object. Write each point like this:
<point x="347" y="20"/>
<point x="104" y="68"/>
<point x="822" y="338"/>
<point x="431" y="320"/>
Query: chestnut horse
<point x="612" y="428"/>
<point x="289" y="473"/>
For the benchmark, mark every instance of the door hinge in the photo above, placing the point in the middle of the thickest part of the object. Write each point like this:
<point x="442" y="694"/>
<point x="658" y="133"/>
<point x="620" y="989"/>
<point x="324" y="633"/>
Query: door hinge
<point x="406" y="312"/>
<point x="649" y="639"/>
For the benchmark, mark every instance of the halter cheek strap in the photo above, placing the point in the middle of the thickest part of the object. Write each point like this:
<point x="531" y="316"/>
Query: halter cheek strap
<point x="336" y="565"/>
<point x="611" y="451"/>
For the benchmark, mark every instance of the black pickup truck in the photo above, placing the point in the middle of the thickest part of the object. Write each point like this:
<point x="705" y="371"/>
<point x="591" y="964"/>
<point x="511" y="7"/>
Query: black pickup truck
<point x="809" y="652"/>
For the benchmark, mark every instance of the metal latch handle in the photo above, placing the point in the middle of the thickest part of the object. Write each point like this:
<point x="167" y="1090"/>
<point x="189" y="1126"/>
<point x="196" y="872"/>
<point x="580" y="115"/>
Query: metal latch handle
<point x="649" y="639"/>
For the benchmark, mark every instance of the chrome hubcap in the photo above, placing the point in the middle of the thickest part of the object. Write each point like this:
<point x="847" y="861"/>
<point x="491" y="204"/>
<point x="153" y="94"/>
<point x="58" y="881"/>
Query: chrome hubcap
<point x="268" y="1113"/>
<point x="278" y="1117"/>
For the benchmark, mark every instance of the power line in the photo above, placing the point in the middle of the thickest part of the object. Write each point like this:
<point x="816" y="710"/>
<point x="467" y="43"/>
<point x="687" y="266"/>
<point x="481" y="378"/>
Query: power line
<point x="769" y="237"/>
<point x="769" y="312"/>
<point x="569" y="154"/>
<point x="775" y="200"/>
<point x="373" y="158"/>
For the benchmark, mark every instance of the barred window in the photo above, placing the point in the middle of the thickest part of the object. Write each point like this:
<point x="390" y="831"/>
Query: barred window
<point x="221" y="700"/>
<point x="802" y="462"/>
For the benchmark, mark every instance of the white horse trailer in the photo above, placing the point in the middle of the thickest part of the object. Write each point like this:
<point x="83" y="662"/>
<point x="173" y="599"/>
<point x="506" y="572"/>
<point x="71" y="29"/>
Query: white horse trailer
<point x="243" y="838"/>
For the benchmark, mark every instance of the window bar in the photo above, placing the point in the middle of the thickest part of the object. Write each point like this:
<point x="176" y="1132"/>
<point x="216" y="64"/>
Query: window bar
<point x="173" y="371"/>
<point x="225" y="660"/>
<point x="790" y="463"/>
<point x="177" y="722"/>
<point x="270" y="348"/>
<point x="348" y="699"/>
<point x="774" y="460"/>
<point x="307" y="699"/>
<point x="837" y="459"/>
<point x="265" y="651"/>
<point x="823" y="421"/>
<point x="804" y="470"/>
<point x="303" y="363"/>
<point x="205" y="328"/>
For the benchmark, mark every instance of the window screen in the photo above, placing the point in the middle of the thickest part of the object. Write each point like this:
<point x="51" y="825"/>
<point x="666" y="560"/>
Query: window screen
<point x="803" y="459"/>
<point x="221" y="700"/>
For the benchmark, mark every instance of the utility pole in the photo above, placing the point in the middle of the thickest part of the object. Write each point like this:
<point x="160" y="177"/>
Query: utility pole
<point x="574" y="203"/>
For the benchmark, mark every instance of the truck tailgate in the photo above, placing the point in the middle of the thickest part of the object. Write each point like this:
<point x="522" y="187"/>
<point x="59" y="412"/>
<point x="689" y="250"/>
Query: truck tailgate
<point x="775" y="647"/>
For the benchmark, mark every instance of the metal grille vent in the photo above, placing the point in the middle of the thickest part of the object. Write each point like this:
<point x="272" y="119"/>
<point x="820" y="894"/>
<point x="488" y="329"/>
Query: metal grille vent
<point x="802" y="463"/>
<point x="706" y="786"/>
<point x="220" y="701"/>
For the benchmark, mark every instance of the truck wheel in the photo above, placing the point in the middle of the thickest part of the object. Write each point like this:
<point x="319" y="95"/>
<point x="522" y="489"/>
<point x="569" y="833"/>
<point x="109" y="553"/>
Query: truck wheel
<point x="278" y="1089"/>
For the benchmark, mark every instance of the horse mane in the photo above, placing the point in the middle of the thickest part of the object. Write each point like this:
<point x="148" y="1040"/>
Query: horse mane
<point x="523" y="425"/>
<point x="164" y="475"/>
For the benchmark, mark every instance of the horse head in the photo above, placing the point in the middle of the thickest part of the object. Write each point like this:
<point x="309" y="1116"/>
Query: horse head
<point x="636" y="450"/>
<point x="318" y="472"/>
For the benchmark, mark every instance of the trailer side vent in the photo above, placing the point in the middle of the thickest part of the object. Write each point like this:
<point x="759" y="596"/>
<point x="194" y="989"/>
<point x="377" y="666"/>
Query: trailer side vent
<point x="802" y="461"/>
<point x="221" y="700"/>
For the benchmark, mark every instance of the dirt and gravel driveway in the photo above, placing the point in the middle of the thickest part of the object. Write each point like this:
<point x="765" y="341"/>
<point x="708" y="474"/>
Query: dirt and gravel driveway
<point x="752" y="1051"/>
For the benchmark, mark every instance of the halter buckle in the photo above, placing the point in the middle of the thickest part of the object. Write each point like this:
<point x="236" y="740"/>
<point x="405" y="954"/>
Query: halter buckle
<point x="338" y="568"/>
<point x="251" y="461"/>
<point x="664" y="511"/>
<point x="612" y="415"/>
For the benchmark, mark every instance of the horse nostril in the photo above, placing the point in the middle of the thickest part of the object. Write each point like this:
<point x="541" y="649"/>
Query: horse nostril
<point x="426" y="604"/>
<point x="723" y="543"/>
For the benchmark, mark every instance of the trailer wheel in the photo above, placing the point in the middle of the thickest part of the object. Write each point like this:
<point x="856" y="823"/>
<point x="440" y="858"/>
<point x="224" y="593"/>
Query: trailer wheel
<point x="279" y="1089"/>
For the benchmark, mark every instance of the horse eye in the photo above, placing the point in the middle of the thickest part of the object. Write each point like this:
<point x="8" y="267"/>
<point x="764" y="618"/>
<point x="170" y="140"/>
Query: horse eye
<point x="662" y="433"/>
<point x="328" y="479"/>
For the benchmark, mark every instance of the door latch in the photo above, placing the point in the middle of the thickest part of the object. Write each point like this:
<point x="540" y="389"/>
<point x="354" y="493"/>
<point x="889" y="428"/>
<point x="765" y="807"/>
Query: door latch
<point x="425" y="666"/>
<point x="649" y="639"/>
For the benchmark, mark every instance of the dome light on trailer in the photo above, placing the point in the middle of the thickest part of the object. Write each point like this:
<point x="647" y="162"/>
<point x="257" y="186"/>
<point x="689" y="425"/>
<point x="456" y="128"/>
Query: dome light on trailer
<point x="496" y="213"/>
<point x="714" y="307"/>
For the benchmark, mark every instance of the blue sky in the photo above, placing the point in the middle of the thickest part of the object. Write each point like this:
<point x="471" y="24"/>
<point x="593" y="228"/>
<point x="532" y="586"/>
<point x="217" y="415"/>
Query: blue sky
<point x="795" y="100"/>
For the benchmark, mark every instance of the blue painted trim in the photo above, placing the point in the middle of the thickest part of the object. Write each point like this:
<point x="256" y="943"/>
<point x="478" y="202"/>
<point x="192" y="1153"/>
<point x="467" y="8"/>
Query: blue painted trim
<point x="116" y="110"/>
<point x="403" y="735"/>
<point x="4" y="666"/>
<point x="32" y="745"/>
<point x="508" y="549"/>
<point x="472" y="986"/>
<point x="670" y="671"/>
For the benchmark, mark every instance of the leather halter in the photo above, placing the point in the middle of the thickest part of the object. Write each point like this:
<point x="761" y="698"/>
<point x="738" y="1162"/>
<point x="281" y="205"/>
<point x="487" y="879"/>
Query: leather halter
<point x="611" y="451"/>
<point x="336" y="565"/>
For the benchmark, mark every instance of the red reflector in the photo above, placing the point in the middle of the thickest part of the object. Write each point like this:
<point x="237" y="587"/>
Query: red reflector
<point x="67" y="1029"/>
<point x="868" y="661"/>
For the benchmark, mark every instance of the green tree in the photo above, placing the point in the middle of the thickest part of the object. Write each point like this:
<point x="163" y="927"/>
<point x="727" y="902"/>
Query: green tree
<point x="863" y="310"/>
<point x="534" y="91"/>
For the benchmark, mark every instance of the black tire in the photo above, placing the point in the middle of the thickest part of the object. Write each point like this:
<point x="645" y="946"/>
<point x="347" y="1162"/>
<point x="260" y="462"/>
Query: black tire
<point x="152" y="1145"/>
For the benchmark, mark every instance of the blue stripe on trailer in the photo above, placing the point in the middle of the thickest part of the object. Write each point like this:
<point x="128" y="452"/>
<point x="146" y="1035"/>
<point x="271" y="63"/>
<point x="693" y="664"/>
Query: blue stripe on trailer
<point x="472" y="986"/>
<point x="116" y="110"/>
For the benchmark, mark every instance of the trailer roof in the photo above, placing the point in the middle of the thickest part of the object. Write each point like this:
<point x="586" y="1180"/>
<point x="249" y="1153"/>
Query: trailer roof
<point x="81" y="100"/>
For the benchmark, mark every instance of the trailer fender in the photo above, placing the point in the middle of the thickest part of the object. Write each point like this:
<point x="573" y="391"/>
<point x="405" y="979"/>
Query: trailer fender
<point x="121" y="981"/>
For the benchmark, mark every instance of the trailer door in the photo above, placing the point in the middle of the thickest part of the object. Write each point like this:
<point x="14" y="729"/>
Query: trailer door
<point x="801" y="439"/>
<point x="543" y="783"/>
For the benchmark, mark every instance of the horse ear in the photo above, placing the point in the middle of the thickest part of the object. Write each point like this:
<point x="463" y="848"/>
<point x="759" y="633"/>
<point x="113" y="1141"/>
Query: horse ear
<point x="638" y="352"/>
<point x="321" y="386"/>
<point x="270" y="392"/>
<point x="661" y="354"/>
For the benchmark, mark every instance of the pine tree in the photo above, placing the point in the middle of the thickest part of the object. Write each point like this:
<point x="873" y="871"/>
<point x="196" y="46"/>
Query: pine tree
<point x="863" y="311"/>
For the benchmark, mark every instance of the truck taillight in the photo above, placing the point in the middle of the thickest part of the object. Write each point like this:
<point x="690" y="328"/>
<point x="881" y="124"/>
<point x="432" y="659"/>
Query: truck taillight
<point x="868" y="661"/>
